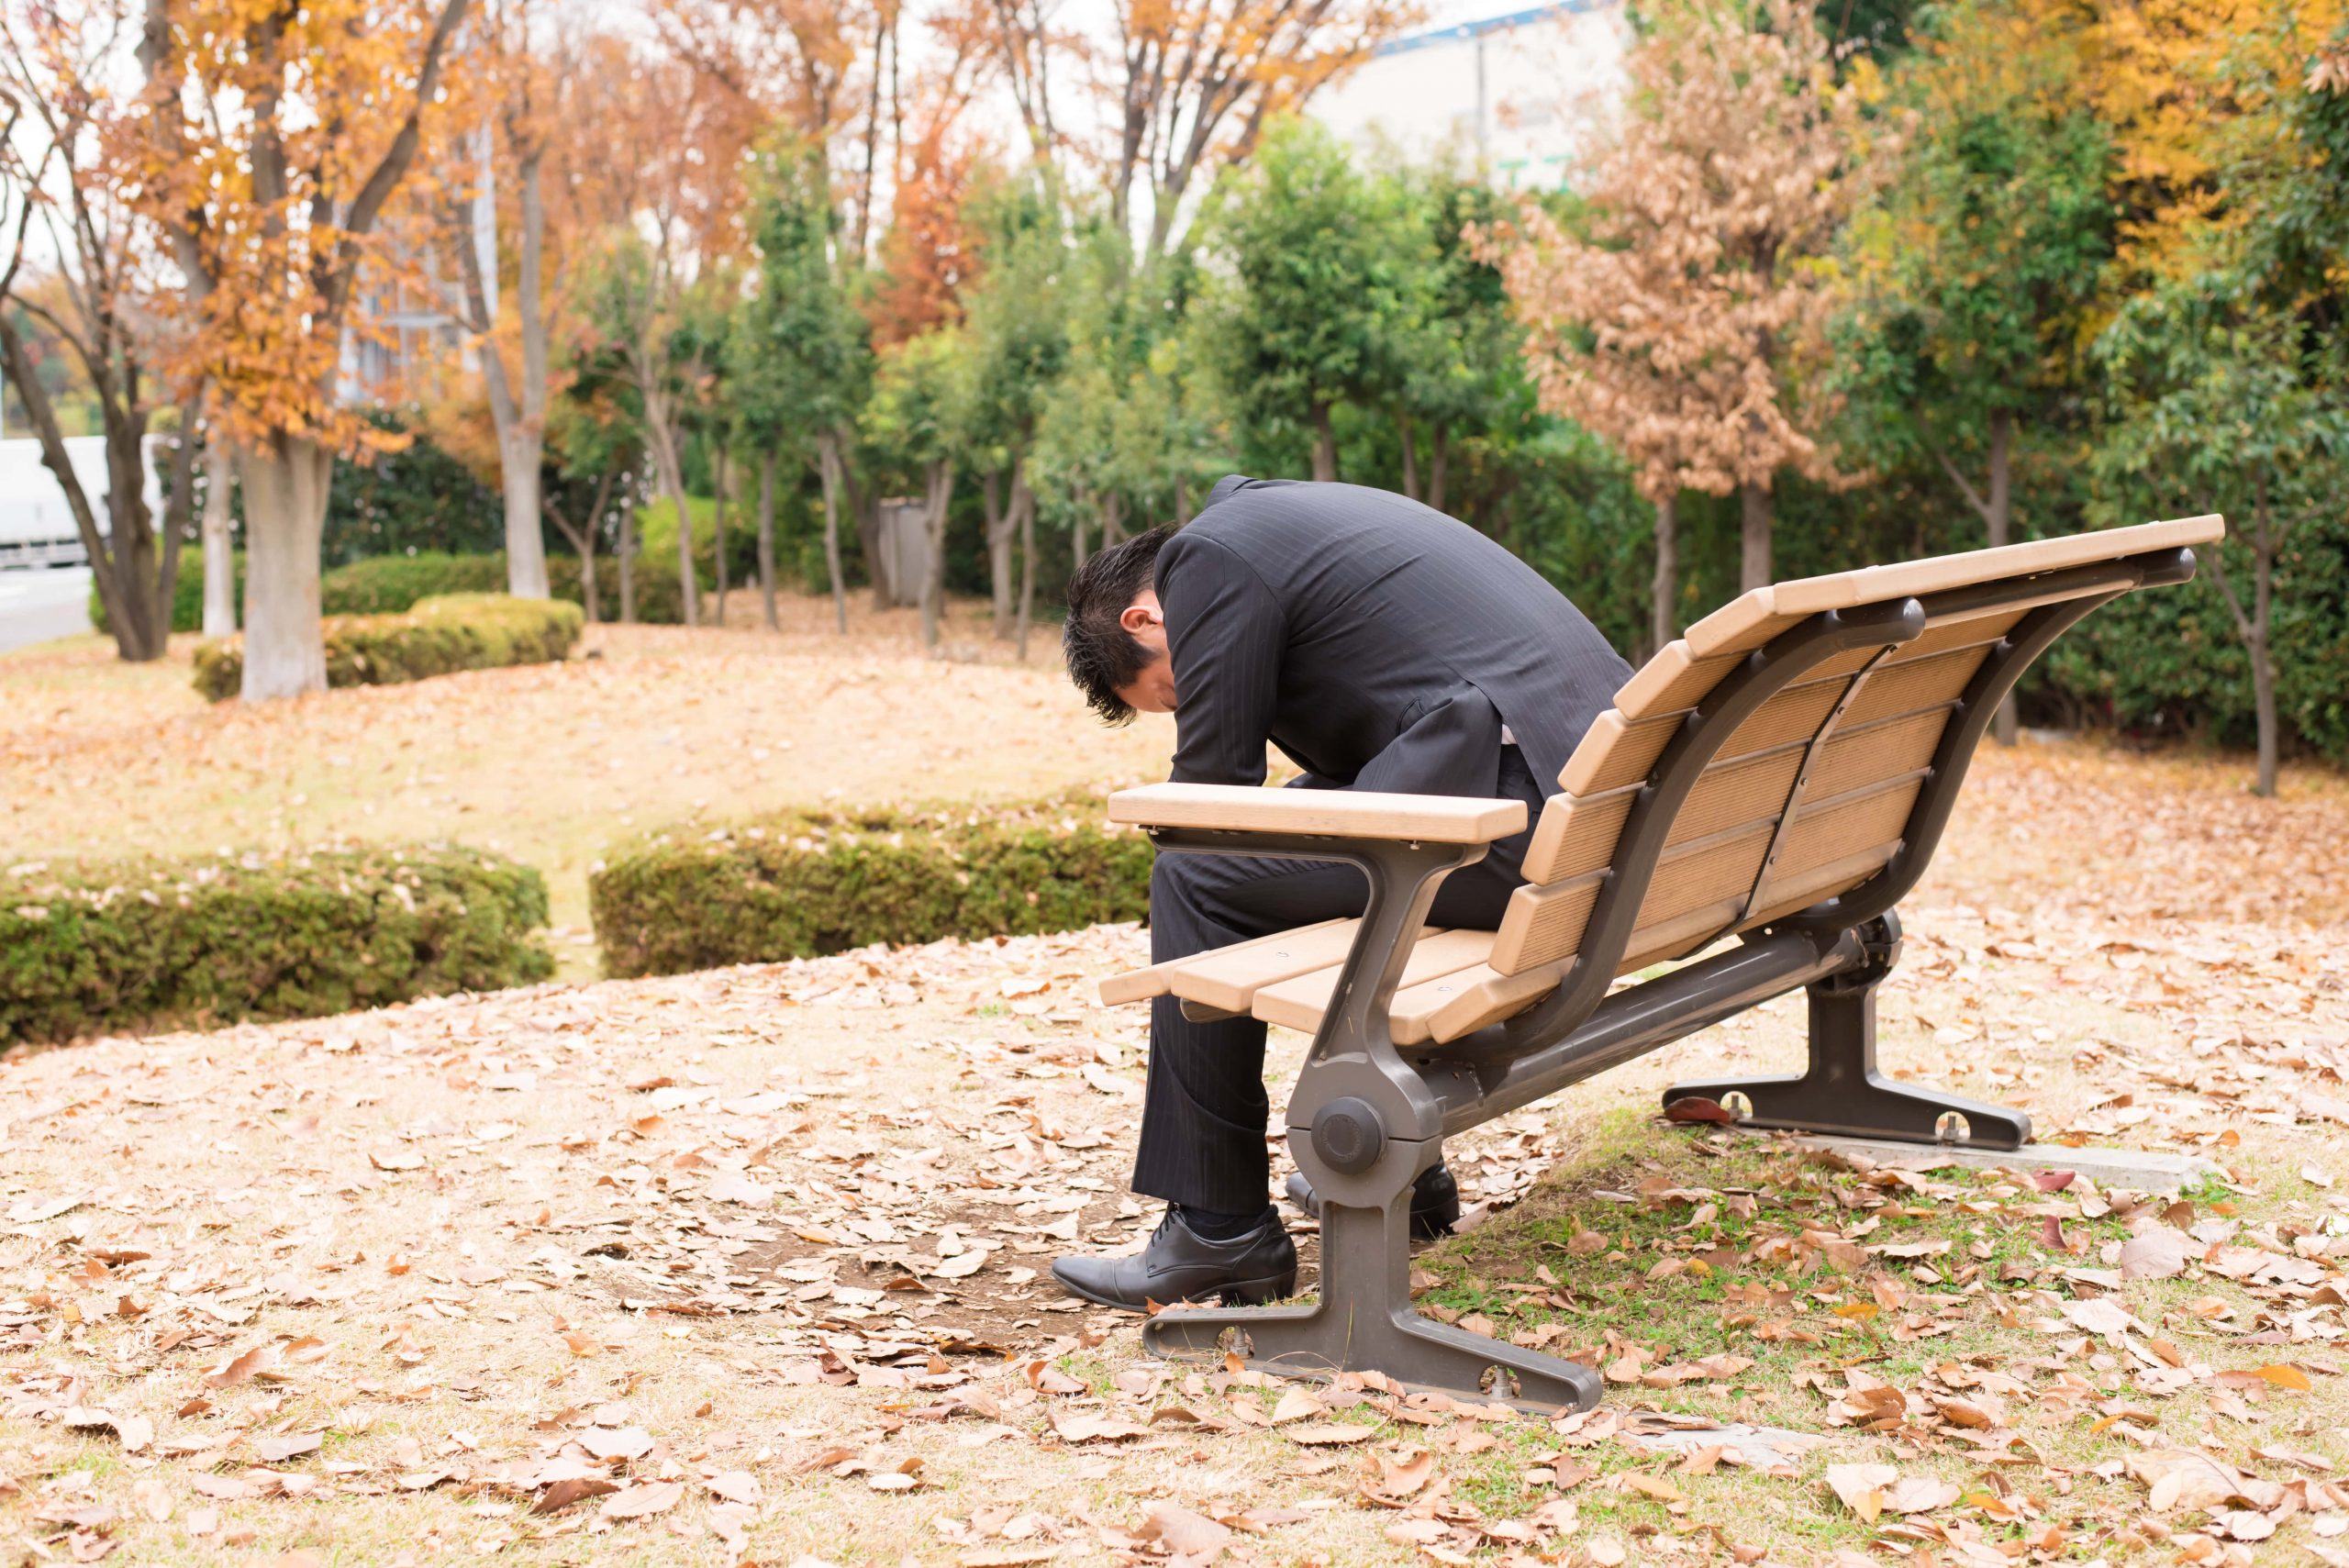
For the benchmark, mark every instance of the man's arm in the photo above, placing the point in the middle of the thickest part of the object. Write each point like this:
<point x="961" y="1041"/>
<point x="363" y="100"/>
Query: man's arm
<point x="1224" y="635"/>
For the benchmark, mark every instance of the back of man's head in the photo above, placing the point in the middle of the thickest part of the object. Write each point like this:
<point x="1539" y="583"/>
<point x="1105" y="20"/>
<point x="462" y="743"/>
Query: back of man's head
<point x="1102" y="656"/>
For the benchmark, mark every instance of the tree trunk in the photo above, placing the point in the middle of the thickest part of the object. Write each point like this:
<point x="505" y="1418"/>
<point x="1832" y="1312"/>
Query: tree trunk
<point x="1663" y="624"/>
<point x="525" y="559"/>
<point x="2254" y="628"/>
<point x="590" y="591"/>
<point x="284" y="485"/>
<point x="521" y="426"/>
<point x="717" y="527"/>
<point x="933" y="589"/>
<point x="1439" y="449"/>
<point x="1113" y="519"/>
<point x="1753" y="562"/>
<point x="1996" y="511"/>
<point x="663" y="440"/>
<point x="1024" y="500"/>
<point x="766" y="537"/>
<point x="1077" y="537"/>
<point x="1182" y="499"/>
<point x="2263" y="663"/>
<point x="583" y="539"/>
<point x="827" y="459"/>
<point x="1325" y="445"/>
<point x="219" y="547"/>
<point x="1002" y="529"/>
<point x="627" y="564"/>
<point x="887" y="592"/>
<point x="179" y="507"/>
<point x="122" y="556"/>
<point x="2003" y="725"/>
<point x="519" y="455"/>
<point x="1410" y="456"/>
<point x="2263" y="692"/>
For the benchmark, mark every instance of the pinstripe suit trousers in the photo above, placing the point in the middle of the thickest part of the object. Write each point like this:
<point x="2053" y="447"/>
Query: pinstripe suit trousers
<point x="1204" y="1110"/>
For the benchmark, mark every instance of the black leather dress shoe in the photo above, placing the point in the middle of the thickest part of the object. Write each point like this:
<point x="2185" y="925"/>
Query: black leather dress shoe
<point x="1180" y="1264"/>
<point x="1435" y="1201"/>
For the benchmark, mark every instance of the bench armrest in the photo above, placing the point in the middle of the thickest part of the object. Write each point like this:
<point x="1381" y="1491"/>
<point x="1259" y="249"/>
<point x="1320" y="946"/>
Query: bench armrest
<point x="1333" y="813"/>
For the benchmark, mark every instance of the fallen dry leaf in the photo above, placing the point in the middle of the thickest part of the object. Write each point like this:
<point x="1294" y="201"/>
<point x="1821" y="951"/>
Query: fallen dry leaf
<point x="1862" y="1486"/>
<point x="639" y="1501"/>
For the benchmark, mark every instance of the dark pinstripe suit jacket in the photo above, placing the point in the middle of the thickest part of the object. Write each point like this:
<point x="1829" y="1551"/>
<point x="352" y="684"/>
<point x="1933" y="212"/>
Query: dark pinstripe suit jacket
<point x="1378" y="643"/>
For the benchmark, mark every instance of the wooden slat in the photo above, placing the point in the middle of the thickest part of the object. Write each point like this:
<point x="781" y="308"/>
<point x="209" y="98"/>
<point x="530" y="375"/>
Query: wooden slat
<point x="1673" y="681"/>
<point x="1725" y="866"/>
<point x="1578" y="835"/>
<point x="1854" y="759"/>
<point x="1229" y="977"/>
<point x="1298" y="1004"/>
<point x="1793" y="715"/>
<point x="1141" y="984"/>
<point x="1731" y="793"/>
<point x="1908" y="687"/>
<point x="1338" y="813"/>
<point x="1616" y="752"/>
<point x="1709" y="868"/>
<point x="1839" y="875"/>
<point x="1463" y="1003"/>
<point x="1752" y="618"/>
<point x="1572" y="835"/>
<point x="1544" y="925"/>
<point x="1675" y="938"/>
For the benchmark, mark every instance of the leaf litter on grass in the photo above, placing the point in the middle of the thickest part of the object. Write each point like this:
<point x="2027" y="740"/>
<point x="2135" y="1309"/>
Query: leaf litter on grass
<point x="752" y="1264"/>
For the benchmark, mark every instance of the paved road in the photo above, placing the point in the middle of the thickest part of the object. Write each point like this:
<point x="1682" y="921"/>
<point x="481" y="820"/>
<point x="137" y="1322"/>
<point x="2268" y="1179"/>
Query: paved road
<point x="36" y="603"/>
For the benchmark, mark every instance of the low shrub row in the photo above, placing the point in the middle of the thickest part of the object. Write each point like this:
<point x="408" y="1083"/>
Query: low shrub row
<point x="386" y="584"/>
<point x="439" y="637"/>
<point x="818" y="881"/>
<point x="135" y="944"/>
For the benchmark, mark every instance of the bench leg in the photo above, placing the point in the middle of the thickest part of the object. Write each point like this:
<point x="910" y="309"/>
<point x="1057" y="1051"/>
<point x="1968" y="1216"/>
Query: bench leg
<point x="1363" y="1321"/>
<point x="1842" y="1093"/>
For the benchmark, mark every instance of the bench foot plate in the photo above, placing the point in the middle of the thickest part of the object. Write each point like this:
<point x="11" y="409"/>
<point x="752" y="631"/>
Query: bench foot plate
<point x="1869" y="1107"/>
<point x="1841" y="1094"/>
<point x="1364" y="1322"/>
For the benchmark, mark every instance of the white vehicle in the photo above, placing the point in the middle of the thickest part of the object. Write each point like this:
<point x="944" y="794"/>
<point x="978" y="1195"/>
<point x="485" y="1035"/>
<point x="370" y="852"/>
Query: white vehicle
<point x="36" y="525"/>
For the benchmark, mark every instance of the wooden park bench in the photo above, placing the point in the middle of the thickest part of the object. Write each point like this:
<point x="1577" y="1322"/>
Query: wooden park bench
<point x="1780" y="775"/>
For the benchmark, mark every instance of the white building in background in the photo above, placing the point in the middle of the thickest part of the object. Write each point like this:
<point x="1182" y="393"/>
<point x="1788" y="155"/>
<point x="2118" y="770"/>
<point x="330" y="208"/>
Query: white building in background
<point x="1518" y="94"/>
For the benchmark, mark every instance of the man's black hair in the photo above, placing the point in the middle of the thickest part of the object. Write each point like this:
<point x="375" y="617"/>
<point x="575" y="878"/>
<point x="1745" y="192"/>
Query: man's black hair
<point x="1102" y="655"/>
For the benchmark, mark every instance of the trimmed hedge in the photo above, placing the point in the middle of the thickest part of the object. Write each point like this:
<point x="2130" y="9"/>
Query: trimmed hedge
<point x="187" y="593"/>
<point x="439" y="637"/>
<point x="390" y="584"/>
<point x="135" y="944"/>
<point x="387" y="584"/>
<point x="818" y="881"/>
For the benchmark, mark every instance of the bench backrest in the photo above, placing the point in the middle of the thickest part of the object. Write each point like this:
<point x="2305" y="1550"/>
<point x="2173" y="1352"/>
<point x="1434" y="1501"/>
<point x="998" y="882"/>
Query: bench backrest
<point x="1839" y="758"/>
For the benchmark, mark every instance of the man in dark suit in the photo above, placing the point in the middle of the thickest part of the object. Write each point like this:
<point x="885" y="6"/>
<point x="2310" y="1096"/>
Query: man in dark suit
<point x="1381" y="645"/>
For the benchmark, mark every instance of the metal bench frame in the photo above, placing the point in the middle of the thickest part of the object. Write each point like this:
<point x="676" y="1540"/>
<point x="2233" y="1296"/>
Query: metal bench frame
<point x="1365" y="1118"/>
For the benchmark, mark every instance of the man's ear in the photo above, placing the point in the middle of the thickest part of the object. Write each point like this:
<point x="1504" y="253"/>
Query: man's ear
<point x="1139" y="618"/>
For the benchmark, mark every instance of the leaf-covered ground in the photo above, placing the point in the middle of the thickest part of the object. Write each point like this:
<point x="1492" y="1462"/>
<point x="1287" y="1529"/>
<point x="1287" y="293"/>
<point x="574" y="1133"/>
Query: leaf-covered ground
<point x="750" y="1265"/>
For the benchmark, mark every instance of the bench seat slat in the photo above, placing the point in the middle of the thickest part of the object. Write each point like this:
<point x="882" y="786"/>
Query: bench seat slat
<point x="1229" y="978"/>
<point x="1141" y="984"/>
<point x="1298" y="1004"/>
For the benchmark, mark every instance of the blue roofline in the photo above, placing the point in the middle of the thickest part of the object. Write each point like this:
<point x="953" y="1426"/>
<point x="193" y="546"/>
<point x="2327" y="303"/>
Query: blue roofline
<point x="1466" y="30"/>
